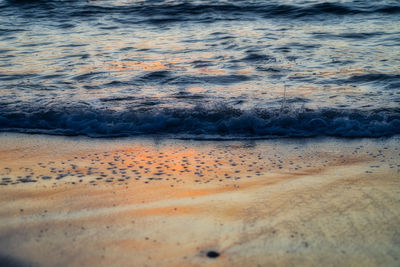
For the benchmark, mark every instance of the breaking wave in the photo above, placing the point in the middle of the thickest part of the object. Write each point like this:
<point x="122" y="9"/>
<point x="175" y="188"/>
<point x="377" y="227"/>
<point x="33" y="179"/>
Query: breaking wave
<point x="211" y="122"/>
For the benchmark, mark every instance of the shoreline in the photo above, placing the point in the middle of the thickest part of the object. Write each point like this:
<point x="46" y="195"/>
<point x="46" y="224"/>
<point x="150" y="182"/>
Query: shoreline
<point x="171" y="202"/>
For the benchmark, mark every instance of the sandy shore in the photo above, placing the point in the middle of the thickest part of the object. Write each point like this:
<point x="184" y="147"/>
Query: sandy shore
<point x="143" y="202"/>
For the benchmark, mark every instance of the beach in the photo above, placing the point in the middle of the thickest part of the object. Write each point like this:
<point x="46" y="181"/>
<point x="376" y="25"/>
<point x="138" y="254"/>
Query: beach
<point x="199" y="133"/>
<point x="77" y="201"/>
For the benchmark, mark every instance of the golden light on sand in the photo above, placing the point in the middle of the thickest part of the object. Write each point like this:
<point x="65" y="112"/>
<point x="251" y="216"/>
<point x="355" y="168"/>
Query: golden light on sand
<point x="186" y="202"/>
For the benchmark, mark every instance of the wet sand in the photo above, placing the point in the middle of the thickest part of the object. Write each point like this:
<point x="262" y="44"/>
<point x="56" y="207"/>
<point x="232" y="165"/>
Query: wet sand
<point x="142" y="202"/>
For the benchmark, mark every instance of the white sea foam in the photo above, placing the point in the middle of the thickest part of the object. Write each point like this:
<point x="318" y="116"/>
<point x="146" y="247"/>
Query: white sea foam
<point x="223" y="122"/>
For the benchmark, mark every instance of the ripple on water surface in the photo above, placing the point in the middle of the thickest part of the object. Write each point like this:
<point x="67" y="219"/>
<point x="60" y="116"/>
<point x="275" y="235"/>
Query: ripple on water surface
<point x="144" y="56"/>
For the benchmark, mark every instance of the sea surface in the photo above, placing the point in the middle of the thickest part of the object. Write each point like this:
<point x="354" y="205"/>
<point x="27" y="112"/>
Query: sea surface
<point x="200" y="69"/>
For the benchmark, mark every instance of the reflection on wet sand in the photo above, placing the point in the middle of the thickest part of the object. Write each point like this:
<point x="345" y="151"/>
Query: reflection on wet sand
<point x="102" y="202"/>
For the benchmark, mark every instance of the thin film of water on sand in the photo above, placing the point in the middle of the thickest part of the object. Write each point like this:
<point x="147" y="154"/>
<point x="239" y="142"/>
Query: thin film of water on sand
<point x="266" y="202"/>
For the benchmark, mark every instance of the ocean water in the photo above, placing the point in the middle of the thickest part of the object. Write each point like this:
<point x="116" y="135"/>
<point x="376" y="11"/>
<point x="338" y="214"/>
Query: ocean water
<point x="200" y="69"/>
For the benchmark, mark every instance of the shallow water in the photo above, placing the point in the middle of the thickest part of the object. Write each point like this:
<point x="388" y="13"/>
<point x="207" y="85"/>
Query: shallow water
<point x="58" y="161"/>
<point x="200" y="69"/>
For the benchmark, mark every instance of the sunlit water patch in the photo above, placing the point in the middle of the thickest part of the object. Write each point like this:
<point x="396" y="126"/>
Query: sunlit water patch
<point x="200" y="69"/>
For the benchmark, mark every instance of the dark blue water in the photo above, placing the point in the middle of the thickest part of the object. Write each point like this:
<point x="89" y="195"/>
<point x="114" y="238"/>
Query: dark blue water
<point x="200" y="69"/>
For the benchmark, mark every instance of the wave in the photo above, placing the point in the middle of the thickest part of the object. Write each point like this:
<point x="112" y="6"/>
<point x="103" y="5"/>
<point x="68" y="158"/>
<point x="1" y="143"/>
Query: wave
<point x="202" y="122"/>
<point x="164" y="12"/>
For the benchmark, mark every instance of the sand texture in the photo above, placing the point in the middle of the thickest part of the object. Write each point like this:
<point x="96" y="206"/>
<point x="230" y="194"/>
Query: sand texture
<point x="143" y="202"/>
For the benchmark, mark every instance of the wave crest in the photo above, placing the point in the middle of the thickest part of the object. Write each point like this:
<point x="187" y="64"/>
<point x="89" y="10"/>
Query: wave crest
<point x="164" y="12"/>
<point x="213" y="121"/>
